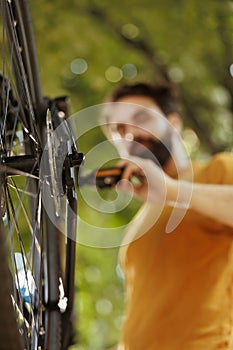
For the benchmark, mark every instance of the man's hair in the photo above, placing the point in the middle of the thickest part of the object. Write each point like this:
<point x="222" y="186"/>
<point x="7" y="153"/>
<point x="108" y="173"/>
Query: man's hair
<point x="163" y="95"/>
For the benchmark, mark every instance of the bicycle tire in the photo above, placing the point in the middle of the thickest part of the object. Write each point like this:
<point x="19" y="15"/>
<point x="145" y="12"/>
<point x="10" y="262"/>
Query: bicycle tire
<point x="27" y="111"/>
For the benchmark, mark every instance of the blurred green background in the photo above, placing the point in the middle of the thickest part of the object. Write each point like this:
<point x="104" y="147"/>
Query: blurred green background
<point x="85" y="49"/>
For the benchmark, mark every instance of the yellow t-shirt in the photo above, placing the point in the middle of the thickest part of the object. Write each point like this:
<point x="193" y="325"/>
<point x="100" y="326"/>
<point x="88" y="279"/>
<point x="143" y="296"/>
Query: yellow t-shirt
<point x="180" y="285"/>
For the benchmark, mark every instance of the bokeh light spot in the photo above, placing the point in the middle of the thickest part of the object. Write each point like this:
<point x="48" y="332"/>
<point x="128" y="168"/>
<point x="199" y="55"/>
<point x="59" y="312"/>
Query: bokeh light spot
<point x="191" y="141"/>
<point x="113" y="74"/>
<point x="103" y="306"/>
<point x="176" y="74"/>
<point x="92" y="274"/>
<point x="130" y="30"/>
<point x="129" y="71"/>
<point x="78" y="66"/>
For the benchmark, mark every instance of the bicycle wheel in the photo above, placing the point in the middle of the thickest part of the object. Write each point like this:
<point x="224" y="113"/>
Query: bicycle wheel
<point x="38" y="279"/>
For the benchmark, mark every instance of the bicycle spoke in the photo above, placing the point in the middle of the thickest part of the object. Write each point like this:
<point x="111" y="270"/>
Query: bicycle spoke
<point x="15" y="55"/>
<point x="30" y="285"/>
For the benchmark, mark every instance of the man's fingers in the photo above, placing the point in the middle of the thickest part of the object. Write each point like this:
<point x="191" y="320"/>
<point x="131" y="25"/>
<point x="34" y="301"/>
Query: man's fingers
<point x="132" y="172"/>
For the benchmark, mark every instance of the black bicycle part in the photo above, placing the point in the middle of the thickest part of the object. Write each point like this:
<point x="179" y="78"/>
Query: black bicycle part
<point x="23" y="109"/>
<point x="102" y="178"/>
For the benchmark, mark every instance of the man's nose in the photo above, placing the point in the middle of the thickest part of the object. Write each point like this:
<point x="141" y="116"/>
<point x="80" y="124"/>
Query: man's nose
<point x="127" y="131"/>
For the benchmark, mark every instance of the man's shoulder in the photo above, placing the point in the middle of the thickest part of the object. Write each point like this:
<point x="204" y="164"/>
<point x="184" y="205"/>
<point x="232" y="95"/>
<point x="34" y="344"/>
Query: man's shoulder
<point x="223" y="157"/>
<point x="219" y="168"/>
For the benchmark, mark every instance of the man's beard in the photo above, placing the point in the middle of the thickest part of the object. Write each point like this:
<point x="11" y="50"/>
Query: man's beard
<point x="157" y="151"/>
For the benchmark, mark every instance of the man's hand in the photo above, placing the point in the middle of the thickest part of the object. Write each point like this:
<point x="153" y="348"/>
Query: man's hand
<point x="146" y="179"/>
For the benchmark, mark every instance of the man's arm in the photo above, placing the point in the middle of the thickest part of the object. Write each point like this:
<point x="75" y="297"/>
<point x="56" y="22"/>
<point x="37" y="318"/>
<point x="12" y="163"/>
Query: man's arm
<point x="214" y="201"/>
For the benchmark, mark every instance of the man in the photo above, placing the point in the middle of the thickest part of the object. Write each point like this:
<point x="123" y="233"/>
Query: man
<point x="180" y="284"/>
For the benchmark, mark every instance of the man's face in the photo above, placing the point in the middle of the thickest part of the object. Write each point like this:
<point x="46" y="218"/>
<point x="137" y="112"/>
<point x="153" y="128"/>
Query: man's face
<point x="138" y="127"/>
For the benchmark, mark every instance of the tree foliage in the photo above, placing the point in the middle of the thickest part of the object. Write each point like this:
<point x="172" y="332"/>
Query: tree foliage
<point x="188" y="44"/>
